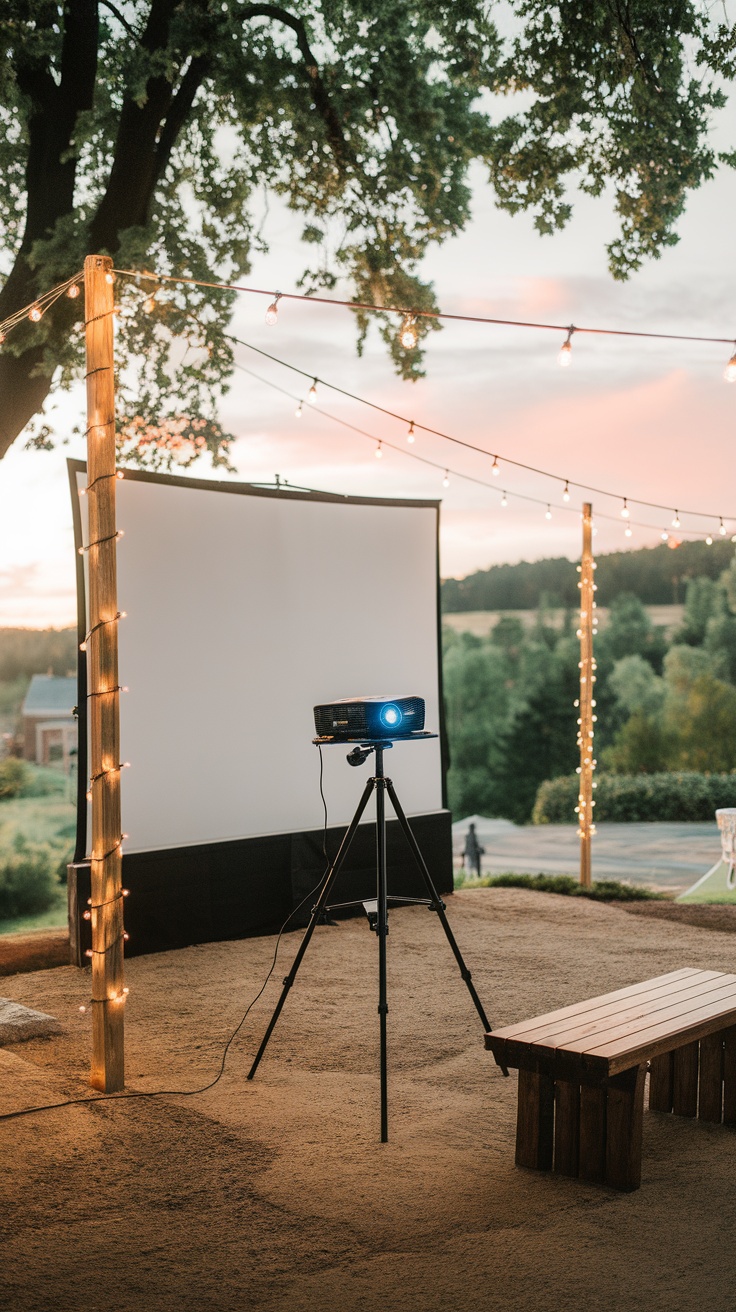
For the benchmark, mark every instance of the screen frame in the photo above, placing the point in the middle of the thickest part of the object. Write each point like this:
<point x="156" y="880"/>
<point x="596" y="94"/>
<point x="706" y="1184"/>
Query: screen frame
<point x="282" y="491"/>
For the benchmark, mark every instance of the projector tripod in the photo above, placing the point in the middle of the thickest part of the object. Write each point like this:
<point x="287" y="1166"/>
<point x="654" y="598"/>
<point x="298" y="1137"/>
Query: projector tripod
<point x="376" y="911"/>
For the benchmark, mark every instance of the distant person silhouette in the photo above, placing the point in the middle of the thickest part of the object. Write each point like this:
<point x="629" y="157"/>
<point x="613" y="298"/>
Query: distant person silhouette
<point x="472" y="852"/>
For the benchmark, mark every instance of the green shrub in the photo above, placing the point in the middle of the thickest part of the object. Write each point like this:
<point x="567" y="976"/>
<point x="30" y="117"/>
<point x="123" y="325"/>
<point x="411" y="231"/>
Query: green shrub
<point x="13" y="776"/>
<point x="602" y="890"/>
<point x="27" y="883"/>
<point x="685" y="796"/>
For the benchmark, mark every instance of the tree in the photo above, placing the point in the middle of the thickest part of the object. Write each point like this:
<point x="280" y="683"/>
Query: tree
<point x="148" y="129"/>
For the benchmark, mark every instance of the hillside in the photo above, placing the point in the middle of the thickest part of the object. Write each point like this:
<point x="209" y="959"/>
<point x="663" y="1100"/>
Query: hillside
<point x="657" y="575"/>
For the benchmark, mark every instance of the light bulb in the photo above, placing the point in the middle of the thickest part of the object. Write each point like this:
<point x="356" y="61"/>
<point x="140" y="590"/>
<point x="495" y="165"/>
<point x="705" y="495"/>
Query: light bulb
<point x="109" y="278"/>
<point x="565" y="355"/>
<point x="709" y="541"/>
<point x="628" y="531"/>
<point x="676" y="521"/>
<point x="298" y="411"/>
<point x="504" y="500"/>
<point x="446" y="479"/>
<point x="566" y="491"/>
<point x="379" y="452"/>
<point x="625" y="510"/>
<point x="35" y="313"/>
<point x="665" y="536"/>
<point x="149" y="305"/>
<point x="272" y="313"/>
<point x="2" y="338"/>
<point x="409" y="335"/>
<point x="495" y="467"/>
<point x="73" y="291"/>
<point x="722" y="529"/>
<point x="410" y="434"/>
<point x="730" y="371"/>
<point x="548" y="513"/>
<point x="312" y="393"/>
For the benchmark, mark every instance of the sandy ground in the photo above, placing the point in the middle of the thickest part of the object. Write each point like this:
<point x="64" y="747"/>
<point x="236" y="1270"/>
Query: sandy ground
<point x="278" y="1195"/>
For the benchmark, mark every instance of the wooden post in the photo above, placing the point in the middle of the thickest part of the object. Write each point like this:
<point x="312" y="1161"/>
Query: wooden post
<point x="108" y="996"/>
<point x="588" y="628"/>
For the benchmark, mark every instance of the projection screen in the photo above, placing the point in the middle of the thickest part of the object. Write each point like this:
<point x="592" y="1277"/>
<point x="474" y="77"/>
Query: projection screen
<point x="244" y="608"/>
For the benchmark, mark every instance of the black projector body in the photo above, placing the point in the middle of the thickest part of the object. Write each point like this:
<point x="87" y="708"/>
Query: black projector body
<point x="370" y="717"/>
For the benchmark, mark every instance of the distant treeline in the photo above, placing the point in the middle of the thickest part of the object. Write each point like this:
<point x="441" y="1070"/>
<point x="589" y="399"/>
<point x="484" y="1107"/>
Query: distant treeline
<point x="24" y="652"/>
<point x="657" y="575"/>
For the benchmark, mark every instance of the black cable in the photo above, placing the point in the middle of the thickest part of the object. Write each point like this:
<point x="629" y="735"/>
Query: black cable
<point x="189" y="1093"/>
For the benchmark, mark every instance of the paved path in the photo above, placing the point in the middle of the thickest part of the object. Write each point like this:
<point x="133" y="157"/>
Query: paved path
<point x="667" y="856"/>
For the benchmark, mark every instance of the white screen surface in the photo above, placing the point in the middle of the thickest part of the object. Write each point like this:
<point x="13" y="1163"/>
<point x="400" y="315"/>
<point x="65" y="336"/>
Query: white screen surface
<point x="243" y="612"/>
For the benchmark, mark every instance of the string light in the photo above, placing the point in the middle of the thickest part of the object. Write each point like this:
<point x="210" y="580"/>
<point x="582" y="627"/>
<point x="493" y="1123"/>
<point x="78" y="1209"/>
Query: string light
<point x="566" y="491"/>
<point x="409" y="335"/>
<point x="628" y="531"/>
<point x="410" y="435"/>
<point x="272" y="313"/>
<point x="625" y="510"/>
<point x="565" y="356"/>
<point x="446" y="479"/>
<point x="730" y="371"/>
<point x="504" y="499"/>
<point x="379" y="452"/>
<point x="548" y="512"/>
<point x="495" y="467"/>
<point x="676" y="520"/>
<point x="120" y="615"/>
<point x="35" y="313"/>
<point x="665" y="536"/>
<point x="312" y="393"/>
<point x="709" y="541"/>
<point x="298" y="411"/>
<point x="73" y="291"/>
<point x="109" y="278"/>
<point x="722" y="529"/>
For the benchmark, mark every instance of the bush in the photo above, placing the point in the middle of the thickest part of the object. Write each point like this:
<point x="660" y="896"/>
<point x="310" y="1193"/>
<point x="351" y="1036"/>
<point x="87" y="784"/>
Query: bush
<point x="27" y="883"/>
<point x="602" y="890"/>
<point x="13" y="777"/>
<point x="637" y="797"/>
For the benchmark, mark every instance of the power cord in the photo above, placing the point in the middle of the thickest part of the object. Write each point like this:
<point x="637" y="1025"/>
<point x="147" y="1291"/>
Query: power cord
<point x="190" y="1093"/>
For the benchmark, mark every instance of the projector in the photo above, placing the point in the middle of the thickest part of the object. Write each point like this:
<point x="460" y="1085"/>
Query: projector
<point x="370" y="717"/>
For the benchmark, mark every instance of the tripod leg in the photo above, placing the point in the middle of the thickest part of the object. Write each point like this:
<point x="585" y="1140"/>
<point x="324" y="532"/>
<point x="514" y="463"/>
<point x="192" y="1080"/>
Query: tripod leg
<point x="381" y="932"/>
<point x="437" y="904"/>
<point x="316" y="913"/>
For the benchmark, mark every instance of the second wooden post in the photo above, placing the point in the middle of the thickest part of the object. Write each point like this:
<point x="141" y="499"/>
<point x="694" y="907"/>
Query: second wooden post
<point x="586" y="704"/>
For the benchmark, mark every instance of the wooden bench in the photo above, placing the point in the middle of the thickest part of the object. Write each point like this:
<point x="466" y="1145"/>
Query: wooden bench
<point x="582" y="1071"/>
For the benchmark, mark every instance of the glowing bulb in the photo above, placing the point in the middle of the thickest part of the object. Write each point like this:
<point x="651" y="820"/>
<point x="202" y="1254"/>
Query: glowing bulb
<point x="409" y="335"/>
<point x="82" y="1010"/>
<point x="628" y="531"/>
<point x="298" y="411"/>
<point x="73" y="291"/>
<point x="566" y="491"/>
<point x="676" y="521"/>
<point x="35" y="313"/>
<point x="665" y="536"/>
<point x="548" y="513"/>
<point x="312" y="393"/>
<point x="495" y="467"/>
<point x="504" y="500"/>
<point x="410" y="434"/>
<point x="109" y="279"/>
<point x="709" y="541"/>
<point x="730" y="370"/>
<point x="379" y="452"/>
<point x="446" y="479"/>
<point x="722" y="529"/>
<point x="625" y="510"/>
<point x="272" y="313"/>
<point x="565" y="355"/>
<point x="2" y="338"/>
<point x="149" y="305"/>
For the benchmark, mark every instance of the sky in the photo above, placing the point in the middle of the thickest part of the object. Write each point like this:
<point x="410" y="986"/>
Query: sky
<point x="653" y="420"/>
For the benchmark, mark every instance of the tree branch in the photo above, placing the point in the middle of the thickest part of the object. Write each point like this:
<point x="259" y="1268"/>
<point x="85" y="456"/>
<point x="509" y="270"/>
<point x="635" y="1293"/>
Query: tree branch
<point x="122" y="21"/>
<point x="181" y="106"/>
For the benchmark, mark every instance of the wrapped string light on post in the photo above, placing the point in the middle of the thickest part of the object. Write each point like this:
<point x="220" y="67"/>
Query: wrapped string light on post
<point x="101" y="644"/>
<point x="586" y="703"/>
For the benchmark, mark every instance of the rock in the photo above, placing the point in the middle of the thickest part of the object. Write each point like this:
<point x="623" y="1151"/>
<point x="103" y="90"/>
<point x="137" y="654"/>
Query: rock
<point x="18" y="1023"/>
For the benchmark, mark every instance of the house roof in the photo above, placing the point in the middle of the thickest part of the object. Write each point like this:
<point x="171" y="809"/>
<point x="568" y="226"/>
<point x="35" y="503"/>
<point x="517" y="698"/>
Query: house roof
<point x="50" y="696"/>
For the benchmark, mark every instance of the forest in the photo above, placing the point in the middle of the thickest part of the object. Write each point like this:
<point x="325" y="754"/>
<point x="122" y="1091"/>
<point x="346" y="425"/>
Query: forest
<point x="662" y="704"/>
<point x="657" y="575"/>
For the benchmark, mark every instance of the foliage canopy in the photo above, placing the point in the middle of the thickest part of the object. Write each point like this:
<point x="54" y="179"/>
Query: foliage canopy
<point x="155" y="130"/>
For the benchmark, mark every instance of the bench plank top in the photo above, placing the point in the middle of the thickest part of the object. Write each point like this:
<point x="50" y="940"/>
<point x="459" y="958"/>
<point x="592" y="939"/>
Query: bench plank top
<point x="613" y="1032"/>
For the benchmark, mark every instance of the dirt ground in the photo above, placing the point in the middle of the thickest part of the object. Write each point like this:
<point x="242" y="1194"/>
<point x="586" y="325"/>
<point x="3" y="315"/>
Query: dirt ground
<point x="277" y="1194"/>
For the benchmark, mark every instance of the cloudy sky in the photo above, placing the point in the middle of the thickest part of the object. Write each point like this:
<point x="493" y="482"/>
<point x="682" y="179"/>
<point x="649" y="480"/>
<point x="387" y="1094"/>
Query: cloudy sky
<point x="651" y="420"/>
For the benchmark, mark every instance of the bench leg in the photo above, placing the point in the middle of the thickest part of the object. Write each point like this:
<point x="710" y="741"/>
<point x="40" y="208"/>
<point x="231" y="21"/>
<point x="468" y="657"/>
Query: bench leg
<point x="729" y="1076"/>
<point x="685" y="1092"/>
<point x="710" y="1102"/>
<point x="592" y="1134"/>
<point x="661" y="1083"/>
<point x="567" y="1127"/>
<point x="534" y="1121"/>
<point x="624" y="1118"/>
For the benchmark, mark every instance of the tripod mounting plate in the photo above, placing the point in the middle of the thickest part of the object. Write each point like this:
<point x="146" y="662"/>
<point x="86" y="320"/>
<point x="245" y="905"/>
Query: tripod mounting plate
<point x="337" y="740"/>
